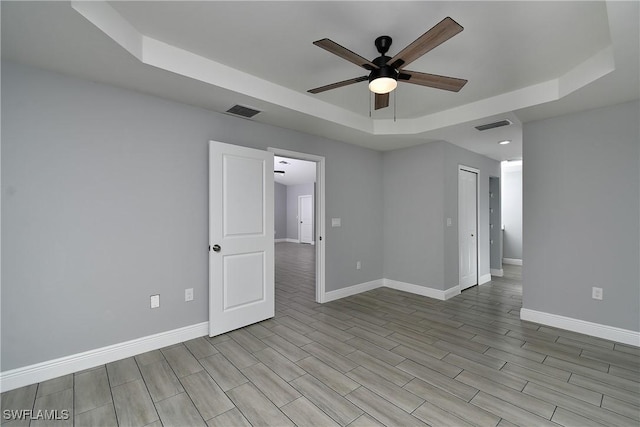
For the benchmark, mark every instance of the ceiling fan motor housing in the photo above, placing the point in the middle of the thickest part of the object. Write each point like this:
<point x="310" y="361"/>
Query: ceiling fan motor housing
<point x="385" y="70"/>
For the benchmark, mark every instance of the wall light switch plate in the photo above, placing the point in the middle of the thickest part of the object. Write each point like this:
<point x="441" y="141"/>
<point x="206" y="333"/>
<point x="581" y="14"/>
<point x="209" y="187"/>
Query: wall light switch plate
<point x="188" y="294"/>
<point x="155" y="301"/>
<point x="336" y="222"/>
<point x="448" y="222"/>
<point x="596" y="293"/>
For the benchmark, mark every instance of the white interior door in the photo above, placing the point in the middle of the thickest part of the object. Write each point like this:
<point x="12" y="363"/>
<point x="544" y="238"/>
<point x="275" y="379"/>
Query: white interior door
<point x="241" y="254"/>
<point x="468" y="227"/>
<point x="305" y="218"/>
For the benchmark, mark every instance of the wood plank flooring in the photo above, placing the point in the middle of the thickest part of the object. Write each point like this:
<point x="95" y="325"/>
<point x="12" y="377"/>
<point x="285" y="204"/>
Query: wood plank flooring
<point x="383" y="357"/>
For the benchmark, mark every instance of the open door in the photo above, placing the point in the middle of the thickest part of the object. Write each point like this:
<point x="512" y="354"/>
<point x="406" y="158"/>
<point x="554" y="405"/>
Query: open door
<point x="241" y="251"/>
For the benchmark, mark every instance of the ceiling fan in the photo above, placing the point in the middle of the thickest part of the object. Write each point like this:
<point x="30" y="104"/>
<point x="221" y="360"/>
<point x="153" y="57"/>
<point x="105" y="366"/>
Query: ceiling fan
<point x="385" y="72"/>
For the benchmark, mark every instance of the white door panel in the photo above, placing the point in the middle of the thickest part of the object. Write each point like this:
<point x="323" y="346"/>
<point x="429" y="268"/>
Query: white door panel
<point x="241" y="262"/>
<point x="243" y="188"/>
<point x="468" y="227"/>
<point x="305" y="218"/>
<point x="242" y="276"/>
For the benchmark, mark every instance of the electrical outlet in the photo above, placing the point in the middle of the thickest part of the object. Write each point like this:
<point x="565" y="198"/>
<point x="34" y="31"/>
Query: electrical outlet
<point x="155" y="301"/>
<point x="188" y="294"/>
<point x="596" y="293"/>
<point x="358" y="265"/>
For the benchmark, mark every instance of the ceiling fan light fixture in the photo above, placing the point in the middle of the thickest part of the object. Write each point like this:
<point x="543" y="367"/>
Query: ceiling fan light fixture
<point x="383" y="80"/>
<point x="383" y="85"/>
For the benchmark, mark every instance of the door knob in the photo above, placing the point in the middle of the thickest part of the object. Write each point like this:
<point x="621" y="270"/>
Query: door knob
<point x="216" y="248"/>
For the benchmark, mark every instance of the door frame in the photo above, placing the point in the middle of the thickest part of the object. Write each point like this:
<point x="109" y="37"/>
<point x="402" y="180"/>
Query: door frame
<point x="319" y="209"/>
<point x="313" y="220"/>
<point x="477" y="172"/>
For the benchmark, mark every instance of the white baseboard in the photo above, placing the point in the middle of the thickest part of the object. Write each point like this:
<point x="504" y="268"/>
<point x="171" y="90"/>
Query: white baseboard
<point x="498" y="272"/>
<point x="393" y="284"/>
<point x="352" y="290"/>
<point x="422" y="290"/>
<point x="624" y="336"/>
<point x="451" y="292"/>
<point x="43" y="371"/>
<point x="290" y="241"/>
<point x="512" y="261"/>
<point x="485" y="278"/>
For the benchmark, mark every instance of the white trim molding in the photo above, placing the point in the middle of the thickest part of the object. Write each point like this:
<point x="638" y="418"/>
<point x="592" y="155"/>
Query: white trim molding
<point x="352" y="290"/>
<point x="393" y="284"/>
<point x="606" y="332"/>
<point x="512" y="261"/>
<point x="498" y="272"/>
<point x="422" y="290"/>
<point x="43" y="371"/>
<point x="485" y="278"/>
<point x="319" y="214"/>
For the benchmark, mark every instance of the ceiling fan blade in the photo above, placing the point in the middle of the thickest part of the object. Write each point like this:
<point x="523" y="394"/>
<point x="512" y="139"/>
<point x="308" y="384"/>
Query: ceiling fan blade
<point x="381" y="101"/>
<point x="437" y="35"/>
<point x="338" y="84"/>
<point x="344" y="53"/>
<point x="432" y="80"/>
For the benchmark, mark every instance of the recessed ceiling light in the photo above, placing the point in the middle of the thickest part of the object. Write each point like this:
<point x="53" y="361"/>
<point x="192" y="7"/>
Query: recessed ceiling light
<point x="505" y="142"/>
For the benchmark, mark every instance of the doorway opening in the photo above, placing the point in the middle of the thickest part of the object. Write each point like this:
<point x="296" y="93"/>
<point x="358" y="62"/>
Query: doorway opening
<point x="512" y="212"/>
<point x="299" y="222"/>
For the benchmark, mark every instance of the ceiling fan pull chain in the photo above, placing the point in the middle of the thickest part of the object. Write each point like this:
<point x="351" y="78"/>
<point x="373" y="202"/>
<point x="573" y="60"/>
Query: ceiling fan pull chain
<point x="370" y="101"/>
<point x="395" y="102"/>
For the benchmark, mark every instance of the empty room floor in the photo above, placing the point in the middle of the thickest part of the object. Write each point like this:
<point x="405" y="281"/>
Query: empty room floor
<point x="383" y="357"/>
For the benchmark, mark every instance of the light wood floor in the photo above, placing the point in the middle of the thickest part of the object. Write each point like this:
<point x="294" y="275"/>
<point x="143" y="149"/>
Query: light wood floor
<point x="383" y="357"/>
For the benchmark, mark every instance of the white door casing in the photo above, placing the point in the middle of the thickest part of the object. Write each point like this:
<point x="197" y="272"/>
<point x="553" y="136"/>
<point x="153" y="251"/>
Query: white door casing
<point x="241" y="255"/>
<point x="319" y="215"/>
<point x="468" y="226"/>
<point x="305" y="218"/>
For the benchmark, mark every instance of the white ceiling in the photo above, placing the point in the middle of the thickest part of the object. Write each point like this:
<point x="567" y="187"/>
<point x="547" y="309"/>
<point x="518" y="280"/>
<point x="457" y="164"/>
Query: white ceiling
<point x="524" y="60"/>
<point x="296" y="171"/>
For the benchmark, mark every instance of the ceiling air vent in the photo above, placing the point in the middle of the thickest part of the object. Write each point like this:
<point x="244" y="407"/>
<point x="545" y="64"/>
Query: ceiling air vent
<point x="494" y="125"/>
<point x="242" y="111"/>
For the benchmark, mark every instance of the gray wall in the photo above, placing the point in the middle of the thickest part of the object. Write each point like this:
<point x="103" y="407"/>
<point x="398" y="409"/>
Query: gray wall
<point x="495" y="222"/>
<point x="582" y="215"/>
<point x="420" y="192"/>
<point x="280" y="206"/>
<point x="104" y="202"/>
<point x="293" y="191"/>
<point x="512" y="212"/>
<point x="414" y="215"/>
